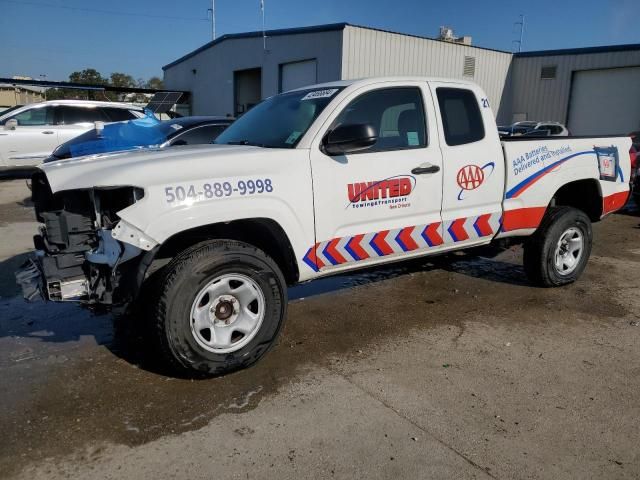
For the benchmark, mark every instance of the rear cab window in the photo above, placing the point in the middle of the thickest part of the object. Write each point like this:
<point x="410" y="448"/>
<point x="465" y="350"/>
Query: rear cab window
<point x="461" y="118"/>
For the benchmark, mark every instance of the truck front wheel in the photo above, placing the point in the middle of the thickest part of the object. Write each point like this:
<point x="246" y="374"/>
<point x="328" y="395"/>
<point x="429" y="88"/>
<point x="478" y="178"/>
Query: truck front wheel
<point x="559" y="250"/>
<point x="219" y="308"/>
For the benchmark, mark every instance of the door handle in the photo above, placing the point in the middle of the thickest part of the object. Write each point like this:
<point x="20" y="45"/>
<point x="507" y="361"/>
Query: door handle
<point x="48" y="132"/>
<point x="425" y="168"/>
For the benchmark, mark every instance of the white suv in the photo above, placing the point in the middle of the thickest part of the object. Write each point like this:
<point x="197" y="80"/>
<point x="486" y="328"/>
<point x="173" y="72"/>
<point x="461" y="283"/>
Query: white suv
<point x="555" y="129"/>
<point x="29" y="134"/>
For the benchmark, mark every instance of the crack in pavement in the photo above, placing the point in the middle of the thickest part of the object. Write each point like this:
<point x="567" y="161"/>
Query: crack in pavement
<point x="412" y="422"/>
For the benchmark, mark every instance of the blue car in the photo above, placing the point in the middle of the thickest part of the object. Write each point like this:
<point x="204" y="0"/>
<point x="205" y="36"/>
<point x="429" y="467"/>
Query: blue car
<point x="142" y="133"/>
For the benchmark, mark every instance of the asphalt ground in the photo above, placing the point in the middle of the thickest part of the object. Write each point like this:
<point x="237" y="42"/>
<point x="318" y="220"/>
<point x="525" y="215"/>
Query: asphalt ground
<point x="448" y="367"/>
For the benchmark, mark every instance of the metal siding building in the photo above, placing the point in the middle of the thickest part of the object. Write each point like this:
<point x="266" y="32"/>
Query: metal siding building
<point x="210" y="71"/>
<point x="230" y="74"/>
<point x="340" y="52"/>
<point x="553" y="97"/>
<point x="367" y="52"/>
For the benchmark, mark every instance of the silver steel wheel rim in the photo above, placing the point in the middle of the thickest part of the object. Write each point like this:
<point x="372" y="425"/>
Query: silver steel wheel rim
<point x="569" y="251"/>
<point x="227" y="313"/>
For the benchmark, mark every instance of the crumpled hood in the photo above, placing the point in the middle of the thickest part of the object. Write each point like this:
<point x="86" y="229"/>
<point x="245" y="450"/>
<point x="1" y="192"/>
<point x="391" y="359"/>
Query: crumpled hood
<point x="148" y="167"/>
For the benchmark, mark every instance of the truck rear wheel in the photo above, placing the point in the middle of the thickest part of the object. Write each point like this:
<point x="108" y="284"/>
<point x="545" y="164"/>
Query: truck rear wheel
<point x="559" y="250"/>
<point x="220" y="307"/>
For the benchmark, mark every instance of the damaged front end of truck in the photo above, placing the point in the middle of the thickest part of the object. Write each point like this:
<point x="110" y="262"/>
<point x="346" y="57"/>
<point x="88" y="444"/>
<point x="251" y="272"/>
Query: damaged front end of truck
<point x="80" y="251"/>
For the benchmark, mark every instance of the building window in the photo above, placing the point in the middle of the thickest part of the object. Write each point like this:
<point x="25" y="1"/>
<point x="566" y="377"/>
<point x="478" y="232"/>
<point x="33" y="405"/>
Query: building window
<point x="548" y="72"/>
<point x="469" y="68"/>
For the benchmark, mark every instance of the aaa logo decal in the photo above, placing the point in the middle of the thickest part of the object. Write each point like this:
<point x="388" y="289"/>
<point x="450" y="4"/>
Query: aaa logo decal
<point x="471" y="177"/>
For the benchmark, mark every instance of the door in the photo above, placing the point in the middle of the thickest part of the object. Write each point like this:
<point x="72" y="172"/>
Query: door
<point x="247" y="89"/>
<point x="298" y="74"/>
<point x="605" y="102"/>
<point x="32" y="140"/>
<point x="382" y="202"/>
<point x="473" y="165"/>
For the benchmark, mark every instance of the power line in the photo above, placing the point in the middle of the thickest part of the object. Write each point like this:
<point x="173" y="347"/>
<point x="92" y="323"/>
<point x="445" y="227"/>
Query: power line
<point x="106" y="12"/>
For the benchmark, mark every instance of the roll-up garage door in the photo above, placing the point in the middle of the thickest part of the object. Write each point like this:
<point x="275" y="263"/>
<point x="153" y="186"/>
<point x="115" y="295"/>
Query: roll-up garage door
<point x="605" y="102"/>
<point x="297" y="74"/>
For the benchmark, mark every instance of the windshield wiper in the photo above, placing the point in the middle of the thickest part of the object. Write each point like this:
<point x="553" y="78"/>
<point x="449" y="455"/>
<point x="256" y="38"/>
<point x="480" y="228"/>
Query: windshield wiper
<point x="244" y="142"/>
<point x="247" y="142"/>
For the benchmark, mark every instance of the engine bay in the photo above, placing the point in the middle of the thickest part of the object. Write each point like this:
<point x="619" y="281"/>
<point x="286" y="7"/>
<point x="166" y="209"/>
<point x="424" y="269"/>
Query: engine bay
<point x="77" y="258"/>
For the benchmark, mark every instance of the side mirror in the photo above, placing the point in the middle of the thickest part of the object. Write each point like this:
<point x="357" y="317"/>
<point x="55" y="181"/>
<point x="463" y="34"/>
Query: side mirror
<point x="11" y="124"/>
<point x="349" y="139"/>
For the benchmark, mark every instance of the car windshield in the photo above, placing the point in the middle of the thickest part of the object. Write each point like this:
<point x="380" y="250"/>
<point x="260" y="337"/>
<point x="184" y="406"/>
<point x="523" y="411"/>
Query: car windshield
<point x="141" y="132"/>
<point x="280" y="121"/>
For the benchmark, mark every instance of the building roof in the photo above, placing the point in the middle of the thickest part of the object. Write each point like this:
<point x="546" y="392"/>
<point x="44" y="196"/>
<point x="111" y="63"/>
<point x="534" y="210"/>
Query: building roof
<point x="23" y="87"/>
<point x="580" y="51"/>
<point x="301" y="30"/>
<point x="269" y="33"/>
<point x="341" y="26"/>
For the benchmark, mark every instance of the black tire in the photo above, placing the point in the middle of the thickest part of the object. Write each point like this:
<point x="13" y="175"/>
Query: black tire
<point x="185" y="276"/>
<point x="540" y="248"/>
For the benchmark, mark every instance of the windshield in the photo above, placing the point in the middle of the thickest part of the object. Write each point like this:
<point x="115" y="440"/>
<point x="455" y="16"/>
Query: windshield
<point x="142" y="132"/>
<point x="280" y="121"/>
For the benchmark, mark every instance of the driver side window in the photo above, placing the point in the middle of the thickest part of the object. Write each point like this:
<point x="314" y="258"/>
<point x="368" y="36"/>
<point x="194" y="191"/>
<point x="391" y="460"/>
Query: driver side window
<point x="396" y="114"/>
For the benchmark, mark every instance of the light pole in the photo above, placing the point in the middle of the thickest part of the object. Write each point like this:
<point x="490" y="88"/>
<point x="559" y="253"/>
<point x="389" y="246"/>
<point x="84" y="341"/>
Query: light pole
<point x="213" y="19"/>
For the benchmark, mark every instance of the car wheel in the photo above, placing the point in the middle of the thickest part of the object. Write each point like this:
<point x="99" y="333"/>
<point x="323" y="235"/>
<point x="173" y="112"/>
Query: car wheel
<point x="558" y="252"/>
<point x="220" y="307"/>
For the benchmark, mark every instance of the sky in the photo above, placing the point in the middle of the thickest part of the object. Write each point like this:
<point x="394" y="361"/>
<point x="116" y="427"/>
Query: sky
<point x="138" y="37"/>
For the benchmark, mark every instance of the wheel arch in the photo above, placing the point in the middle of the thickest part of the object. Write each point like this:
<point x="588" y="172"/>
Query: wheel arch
<point x="584" y="194"/>
<point x="263" y="233"/>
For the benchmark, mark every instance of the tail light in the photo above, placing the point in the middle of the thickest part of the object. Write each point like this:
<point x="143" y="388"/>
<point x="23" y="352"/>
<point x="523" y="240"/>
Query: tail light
<point x="633" y="157"/>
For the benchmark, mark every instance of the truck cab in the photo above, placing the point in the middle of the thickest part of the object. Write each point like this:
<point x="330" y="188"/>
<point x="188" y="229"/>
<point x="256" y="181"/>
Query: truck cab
<point x="311" y="182"/>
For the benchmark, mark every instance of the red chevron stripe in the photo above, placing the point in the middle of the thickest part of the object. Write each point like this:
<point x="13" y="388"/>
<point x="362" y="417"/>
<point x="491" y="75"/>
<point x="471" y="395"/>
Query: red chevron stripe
<point x="457" y="227"/>
<point x="483" y="225"/>
<point x="313" y="255"/>
<point x="354" y="244"/>
<point x="331" y="249"/>
<point x="381" y="243"/>
<point x="407" y="240"/>
<point x="433" y="235"/>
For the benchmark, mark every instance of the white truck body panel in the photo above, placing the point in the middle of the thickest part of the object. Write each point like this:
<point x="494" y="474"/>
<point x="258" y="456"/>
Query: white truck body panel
<point x="477" y="195"/>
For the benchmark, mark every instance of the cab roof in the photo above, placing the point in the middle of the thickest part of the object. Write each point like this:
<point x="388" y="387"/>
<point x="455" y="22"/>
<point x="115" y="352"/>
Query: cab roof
<point x="361" y="82"/>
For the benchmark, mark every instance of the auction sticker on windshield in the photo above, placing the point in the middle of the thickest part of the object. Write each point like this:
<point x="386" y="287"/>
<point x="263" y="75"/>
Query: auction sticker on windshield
<point x="191" y="193"/>
<point x="320" y="94"/>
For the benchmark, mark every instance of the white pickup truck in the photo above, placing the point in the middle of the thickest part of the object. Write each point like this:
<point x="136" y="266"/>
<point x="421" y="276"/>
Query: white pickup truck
<point x="309" y="183"/>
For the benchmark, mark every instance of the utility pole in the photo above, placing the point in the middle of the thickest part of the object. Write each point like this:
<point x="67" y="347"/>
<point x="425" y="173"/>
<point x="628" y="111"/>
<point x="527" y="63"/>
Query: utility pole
<point x="213" y="19"/>
<point x="521" y="23"/>
<point x="264" y="35"/>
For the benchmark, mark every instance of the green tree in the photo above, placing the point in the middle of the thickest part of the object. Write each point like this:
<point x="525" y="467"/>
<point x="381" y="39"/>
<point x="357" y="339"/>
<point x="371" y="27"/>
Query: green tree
<point x="155" y="82"/>
<point x="122" y="80"/>
<point x="90" y="76"/>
